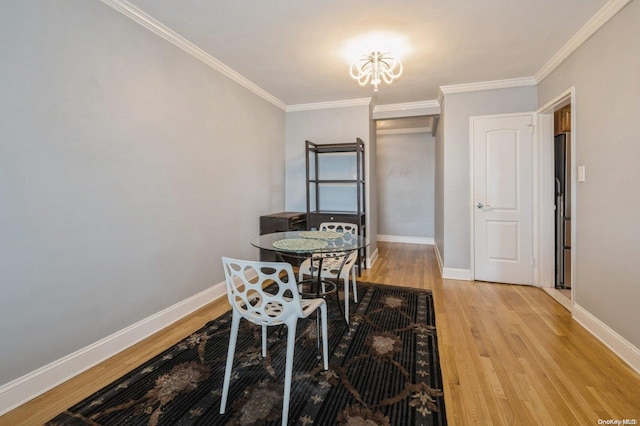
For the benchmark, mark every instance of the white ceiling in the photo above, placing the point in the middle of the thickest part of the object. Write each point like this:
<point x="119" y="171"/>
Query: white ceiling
<point x="294" y="49"/>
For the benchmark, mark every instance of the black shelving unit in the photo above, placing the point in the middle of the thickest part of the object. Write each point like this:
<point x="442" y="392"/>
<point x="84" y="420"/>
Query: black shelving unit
<point x="352" y="180"/>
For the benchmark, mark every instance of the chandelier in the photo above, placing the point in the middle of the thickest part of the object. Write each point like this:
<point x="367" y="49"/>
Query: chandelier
<point x="375" y="68"/>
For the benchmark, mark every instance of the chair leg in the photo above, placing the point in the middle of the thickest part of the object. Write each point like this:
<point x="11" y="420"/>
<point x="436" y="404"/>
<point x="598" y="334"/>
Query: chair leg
<point x="325" y="336"/>
<point x="346" y="282"/>
<point x="353" y="280"/>
<point x="264" y="341"/>
<point x="288" y="371"/>
<point x="318" y="330"/>
<point x="233" y="337"/>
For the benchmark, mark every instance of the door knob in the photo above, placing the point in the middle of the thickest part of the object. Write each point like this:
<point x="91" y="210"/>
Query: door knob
<point x="482" y="206"/>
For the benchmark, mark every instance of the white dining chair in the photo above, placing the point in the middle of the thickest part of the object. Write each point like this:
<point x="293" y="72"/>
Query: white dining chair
<point x="246" y="281"/>
<point x="331" y="263"/>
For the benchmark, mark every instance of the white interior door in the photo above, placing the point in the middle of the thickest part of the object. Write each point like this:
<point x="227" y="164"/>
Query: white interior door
<point x="503" y="198"/>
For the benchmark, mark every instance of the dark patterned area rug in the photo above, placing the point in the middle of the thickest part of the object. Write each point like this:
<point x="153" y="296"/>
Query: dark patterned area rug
<point x="383" y="370"/>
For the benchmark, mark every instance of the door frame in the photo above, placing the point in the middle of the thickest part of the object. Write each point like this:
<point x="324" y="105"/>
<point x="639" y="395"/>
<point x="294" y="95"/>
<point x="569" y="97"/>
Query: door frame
<point x="472" y="237"/>
<point x="545" y="233"/>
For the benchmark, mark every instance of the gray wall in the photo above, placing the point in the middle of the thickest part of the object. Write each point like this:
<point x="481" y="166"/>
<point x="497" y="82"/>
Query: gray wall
<point x="456" y="192"/>
<point x="372" y="188"/>
<point x="605" y="74"/>
<point x="330" y="125"/>
<point x="438" y="184"/>
<point x="127" y="169"/>
<point x="405" y="176"/>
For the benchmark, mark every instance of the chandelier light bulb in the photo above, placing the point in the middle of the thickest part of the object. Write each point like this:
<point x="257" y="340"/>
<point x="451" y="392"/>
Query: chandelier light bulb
<point x="375" y="68"/>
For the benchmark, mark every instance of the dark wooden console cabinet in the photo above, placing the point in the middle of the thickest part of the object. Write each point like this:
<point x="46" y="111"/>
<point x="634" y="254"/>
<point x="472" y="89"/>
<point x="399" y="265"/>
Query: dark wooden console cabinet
<point x="281" y="222"/>
<point x="316" y="218"/>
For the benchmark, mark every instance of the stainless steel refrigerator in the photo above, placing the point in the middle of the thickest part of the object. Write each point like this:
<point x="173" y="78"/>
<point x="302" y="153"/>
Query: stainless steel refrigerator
<point x="563" y="210"/>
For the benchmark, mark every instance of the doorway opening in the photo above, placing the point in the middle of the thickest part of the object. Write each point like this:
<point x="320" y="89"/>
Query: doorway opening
<point x="557" y="198"/>
<point x="562" y="199"/>
<point x="405" y="172"/>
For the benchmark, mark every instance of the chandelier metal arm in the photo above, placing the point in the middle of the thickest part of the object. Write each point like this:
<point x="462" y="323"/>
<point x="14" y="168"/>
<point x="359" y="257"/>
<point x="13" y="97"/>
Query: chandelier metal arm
<point x="375" y="68"/>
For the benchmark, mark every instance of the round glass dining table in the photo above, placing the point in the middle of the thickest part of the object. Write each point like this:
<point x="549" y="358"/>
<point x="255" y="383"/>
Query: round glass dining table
<point x="310" y="243"/>
<point x="316" y="245"/>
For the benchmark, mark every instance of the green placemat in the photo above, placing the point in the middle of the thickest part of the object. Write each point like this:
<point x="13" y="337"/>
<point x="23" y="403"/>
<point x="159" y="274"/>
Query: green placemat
<point x="300" y="244"/>
<point x="321" y="235"/>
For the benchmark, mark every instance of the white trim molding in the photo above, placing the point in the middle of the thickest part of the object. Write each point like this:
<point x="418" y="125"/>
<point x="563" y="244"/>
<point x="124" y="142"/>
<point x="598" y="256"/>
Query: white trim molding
<point x="329" y="105"/>
<point x="407" y="106"/>
<point x="29" y="386"/>
<point x="457" y="274"/>
<point x="430" y="107"/>
<point x="405" y="131"/>
<point x="558" y="297"/>
<point x="171" y="36"/>
<point x="452" y="273"/>
<point x="603" y="16"/>
<point x="618" y="344"/>
<point x="438" y="259"/>
<point x="371" y="260"/>
<point x="408" y="109"/>
<point x="406" y="240"/>
<point x="488" y="85"/>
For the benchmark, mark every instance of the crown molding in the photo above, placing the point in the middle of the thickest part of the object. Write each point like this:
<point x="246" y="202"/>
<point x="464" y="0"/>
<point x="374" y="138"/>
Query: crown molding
<point x="328" y="105"/>
<point x="166" y="33"/>
<point x="432" y="107"/>
<point x="488" y="85"/>
<point x="406" y="106"/>
<point x="603" y="16"/>
<point x="405" y="131"/>
<point x="409" y="109"/>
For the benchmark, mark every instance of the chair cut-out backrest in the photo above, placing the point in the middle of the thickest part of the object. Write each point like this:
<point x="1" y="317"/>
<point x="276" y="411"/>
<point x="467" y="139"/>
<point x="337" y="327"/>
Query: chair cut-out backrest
<point x="246" y="282"/>
<point x="346" y="228"/>
<point x="339" y="227"/>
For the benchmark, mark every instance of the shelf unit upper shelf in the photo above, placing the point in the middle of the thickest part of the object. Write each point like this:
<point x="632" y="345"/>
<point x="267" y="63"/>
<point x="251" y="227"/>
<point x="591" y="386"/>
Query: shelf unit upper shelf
<point x="344" y="175"/>
<point x="344" y="189"/>
<point x="334" y="181"/>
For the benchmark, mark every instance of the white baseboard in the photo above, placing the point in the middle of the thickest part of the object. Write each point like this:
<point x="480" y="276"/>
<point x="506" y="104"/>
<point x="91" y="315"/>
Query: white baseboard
<point x="452" y="273"/>
<point x="558" y="297"/>
<point x="405" y="239"/>
<point x="372" y="259"/>
<point x="439" y="259"/>
<point x="618" y="344"/>
<point x="449" y="273"/>
<point x="27" y="387"/>
<point x="457" y="274"/>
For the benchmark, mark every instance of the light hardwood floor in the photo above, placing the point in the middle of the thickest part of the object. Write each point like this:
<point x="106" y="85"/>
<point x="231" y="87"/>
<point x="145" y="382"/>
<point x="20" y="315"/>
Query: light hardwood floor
<point x="510" y="355"/>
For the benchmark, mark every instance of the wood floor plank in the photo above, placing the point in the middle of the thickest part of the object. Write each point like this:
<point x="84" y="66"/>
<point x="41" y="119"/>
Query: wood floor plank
<point x="509" y="354"/>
